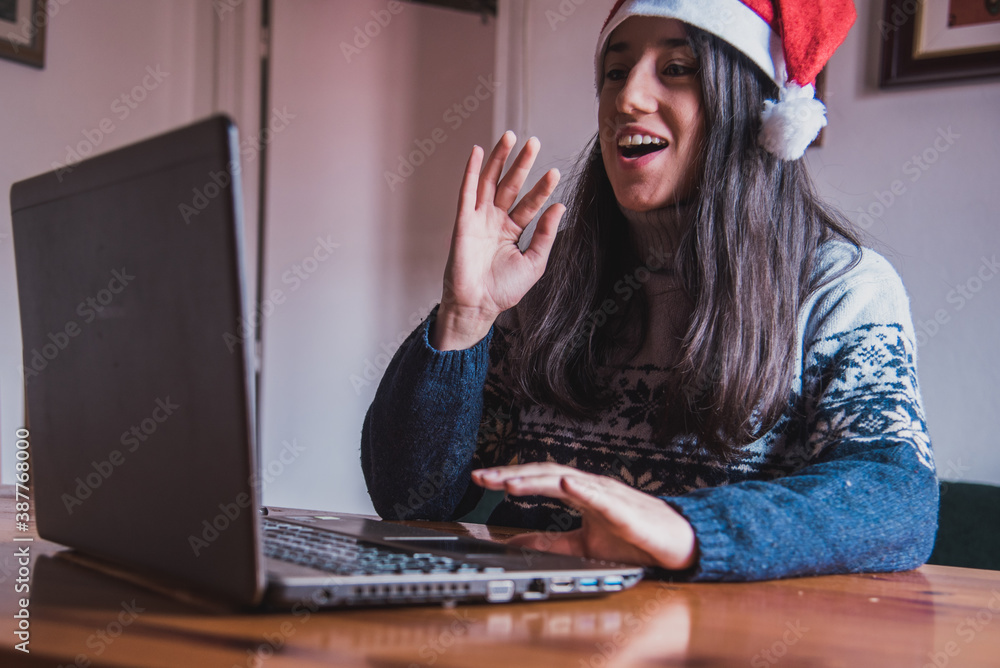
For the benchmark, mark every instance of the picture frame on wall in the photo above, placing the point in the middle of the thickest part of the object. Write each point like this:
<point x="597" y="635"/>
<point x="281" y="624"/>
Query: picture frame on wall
<point x="22" y="31"/>
<point x="927" y="41"/>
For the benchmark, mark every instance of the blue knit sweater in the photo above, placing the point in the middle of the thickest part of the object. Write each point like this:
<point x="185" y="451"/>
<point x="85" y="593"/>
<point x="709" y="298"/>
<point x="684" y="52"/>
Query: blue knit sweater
<point x="843" y="482"/>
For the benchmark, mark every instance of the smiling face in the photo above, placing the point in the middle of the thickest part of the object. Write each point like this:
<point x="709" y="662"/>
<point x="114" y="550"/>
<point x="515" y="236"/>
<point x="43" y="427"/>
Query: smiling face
<point x="650" y="114"/>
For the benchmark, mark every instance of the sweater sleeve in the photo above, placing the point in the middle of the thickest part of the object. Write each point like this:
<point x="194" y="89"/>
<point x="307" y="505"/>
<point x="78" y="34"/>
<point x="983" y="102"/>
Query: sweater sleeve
<point x="419" y="438"/>
<point x="867" y="498"/>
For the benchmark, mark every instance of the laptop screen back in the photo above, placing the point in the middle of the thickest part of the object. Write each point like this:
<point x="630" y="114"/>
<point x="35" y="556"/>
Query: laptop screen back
<point x="137" y="376"/>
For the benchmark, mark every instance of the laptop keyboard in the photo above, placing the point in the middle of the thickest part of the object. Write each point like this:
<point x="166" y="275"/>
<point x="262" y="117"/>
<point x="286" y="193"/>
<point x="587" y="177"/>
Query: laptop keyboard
<point x="346" y="555"/>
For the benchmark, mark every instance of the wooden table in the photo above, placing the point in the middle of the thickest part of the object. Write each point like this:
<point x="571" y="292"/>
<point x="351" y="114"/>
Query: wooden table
<point x="935" y="616"/>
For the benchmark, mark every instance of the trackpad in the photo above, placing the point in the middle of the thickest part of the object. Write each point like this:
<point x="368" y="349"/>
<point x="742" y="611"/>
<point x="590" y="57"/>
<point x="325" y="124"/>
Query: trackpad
<point x="455" y="544"/>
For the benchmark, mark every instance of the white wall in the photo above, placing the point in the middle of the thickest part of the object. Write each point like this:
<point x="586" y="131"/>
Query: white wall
<point x="354" y="119"/>
<point x="936" y="233"/>
<point x="357" y="107"/>
<point x="96" y="51"/>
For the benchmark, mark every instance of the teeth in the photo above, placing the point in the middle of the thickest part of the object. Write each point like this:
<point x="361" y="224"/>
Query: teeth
<point x="639" y="140"/>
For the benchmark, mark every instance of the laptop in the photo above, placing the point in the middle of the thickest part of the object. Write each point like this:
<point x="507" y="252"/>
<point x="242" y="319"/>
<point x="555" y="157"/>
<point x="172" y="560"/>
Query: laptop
<point x="139" y="385"/>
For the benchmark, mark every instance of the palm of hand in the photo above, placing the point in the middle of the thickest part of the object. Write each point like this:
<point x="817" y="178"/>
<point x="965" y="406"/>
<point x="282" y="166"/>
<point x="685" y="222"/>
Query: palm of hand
<point x="487" y="273"/>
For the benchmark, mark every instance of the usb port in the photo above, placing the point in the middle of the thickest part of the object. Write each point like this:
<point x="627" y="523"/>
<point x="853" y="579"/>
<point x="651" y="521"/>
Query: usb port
<point x="613" y="583"/>
<point x="560" y="585"/>
<point x="587" y="584"/>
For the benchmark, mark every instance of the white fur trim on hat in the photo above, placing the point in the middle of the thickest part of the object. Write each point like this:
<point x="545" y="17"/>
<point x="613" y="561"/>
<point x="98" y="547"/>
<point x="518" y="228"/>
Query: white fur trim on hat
<point x="730" y="20"/>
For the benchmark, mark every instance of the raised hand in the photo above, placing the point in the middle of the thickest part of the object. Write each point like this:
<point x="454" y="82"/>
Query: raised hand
<point x="487" y="273"/>
<point x="619" y="523"/>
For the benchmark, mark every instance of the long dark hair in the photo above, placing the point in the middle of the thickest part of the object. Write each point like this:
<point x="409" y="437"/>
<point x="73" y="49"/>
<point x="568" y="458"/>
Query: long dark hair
<point x="746" y="264"/>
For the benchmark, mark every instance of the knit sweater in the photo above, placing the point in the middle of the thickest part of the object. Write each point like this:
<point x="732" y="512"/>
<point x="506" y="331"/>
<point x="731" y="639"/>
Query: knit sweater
<point x="843" y="482"/>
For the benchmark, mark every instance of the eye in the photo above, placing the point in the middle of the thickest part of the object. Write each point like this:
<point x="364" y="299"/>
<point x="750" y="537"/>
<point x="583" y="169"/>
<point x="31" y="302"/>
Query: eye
<point x="679" y="70"/>
<point x="615" y="74"/>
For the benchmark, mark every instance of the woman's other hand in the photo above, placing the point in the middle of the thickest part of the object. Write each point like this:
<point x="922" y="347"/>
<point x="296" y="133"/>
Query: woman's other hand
<point x="487" y="273"/>
<point x="619" y="523"/>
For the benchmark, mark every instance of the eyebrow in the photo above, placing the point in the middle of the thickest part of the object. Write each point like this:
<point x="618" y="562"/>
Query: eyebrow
<point x="672" y="43"/>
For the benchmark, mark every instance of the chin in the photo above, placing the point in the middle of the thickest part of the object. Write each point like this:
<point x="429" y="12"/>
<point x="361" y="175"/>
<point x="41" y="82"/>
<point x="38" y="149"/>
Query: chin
<point x="643" y="204"/>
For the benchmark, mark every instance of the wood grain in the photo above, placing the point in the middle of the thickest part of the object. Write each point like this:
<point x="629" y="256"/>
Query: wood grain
<point x="935" y="616"/>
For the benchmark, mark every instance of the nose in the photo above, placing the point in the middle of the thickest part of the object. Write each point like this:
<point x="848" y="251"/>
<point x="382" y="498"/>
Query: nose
<point x="636" y="96"/>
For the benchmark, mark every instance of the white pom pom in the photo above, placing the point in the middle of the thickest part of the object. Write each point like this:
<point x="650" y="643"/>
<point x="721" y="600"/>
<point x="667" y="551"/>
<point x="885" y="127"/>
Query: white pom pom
<point x="791" y="124"/>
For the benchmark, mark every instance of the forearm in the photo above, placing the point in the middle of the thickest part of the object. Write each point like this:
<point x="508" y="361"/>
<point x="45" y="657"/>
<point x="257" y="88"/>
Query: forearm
<point x="419" y="435"/>
<point x="868" y="499"/>
<point x="873" y="508"/>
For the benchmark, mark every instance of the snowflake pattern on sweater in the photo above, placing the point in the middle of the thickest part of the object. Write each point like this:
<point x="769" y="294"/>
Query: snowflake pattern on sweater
<point x="844" y="481"/>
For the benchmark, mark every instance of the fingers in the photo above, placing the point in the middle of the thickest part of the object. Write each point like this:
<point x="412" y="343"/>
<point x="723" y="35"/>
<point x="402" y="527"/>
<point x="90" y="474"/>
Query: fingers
<point x="543" y="479"/>
<point x="499" y="477"/>
<point x="503" y="192"/>
<point x="470" y="181"/>
<point x="537" y="252"/>
<point x="535" y="198"/>
<point x="646" y="524"/>
<point x="494" y="166"/>
<point x="619" y="522"/>
<point x="511" y="184"/>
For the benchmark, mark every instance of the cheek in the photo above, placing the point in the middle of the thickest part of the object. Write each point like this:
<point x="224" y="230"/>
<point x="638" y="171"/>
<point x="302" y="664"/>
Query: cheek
<point x="606" y="137"/>
<point x="694" y="119"/>
<point x="694" y="124"/>
<point x="605" y="123"/>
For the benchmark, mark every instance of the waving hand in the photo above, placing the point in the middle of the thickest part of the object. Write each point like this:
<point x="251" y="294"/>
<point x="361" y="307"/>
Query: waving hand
<point x="487" y="273"/>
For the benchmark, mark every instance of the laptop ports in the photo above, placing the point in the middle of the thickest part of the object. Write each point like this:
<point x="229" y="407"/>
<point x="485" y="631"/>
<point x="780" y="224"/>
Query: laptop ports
<point x="499" y="591"/>
<point x="560" y="585"/>
<point x="613" y="583"/>
<point x="536" y="590"/>
<point x="588" y="584"/>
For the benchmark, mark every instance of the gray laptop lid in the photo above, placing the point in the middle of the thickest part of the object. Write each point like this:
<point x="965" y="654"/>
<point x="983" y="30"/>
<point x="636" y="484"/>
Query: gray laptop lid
<point x="137" y="457"/>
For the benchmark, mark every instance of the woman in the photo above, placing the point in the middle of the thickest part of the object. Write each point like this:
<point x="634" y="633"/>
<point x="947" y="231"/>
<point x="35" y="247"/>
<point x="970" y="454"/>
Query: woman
<point x="709" y="375"/>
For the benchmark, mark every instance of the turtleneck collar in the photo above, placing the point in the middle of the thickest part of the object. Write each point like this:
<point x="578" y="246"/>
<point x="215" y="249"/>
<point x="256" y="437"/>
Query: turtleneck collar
<point x="654" y="234"/>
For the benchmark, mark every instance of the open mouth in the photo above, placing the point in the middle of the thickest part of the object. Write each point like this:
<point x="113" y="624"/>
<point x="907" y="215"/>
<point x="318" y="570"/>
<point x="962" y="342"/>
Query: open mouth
<point x="636" y="146"/>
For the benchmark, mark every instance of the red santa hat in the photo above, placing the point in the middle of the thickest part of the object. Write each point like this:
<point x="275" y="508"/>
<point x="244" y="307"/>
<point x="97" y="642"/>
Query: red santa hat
<point x="790" y="41"/>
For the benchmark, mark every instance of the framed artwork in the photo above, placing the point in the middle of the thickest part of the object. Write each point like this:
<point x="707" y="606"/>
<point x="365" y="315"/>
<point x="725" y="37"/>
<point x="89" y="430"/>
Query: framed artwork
<point x="925" y="41"/>
<point x="22" y="31"/>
